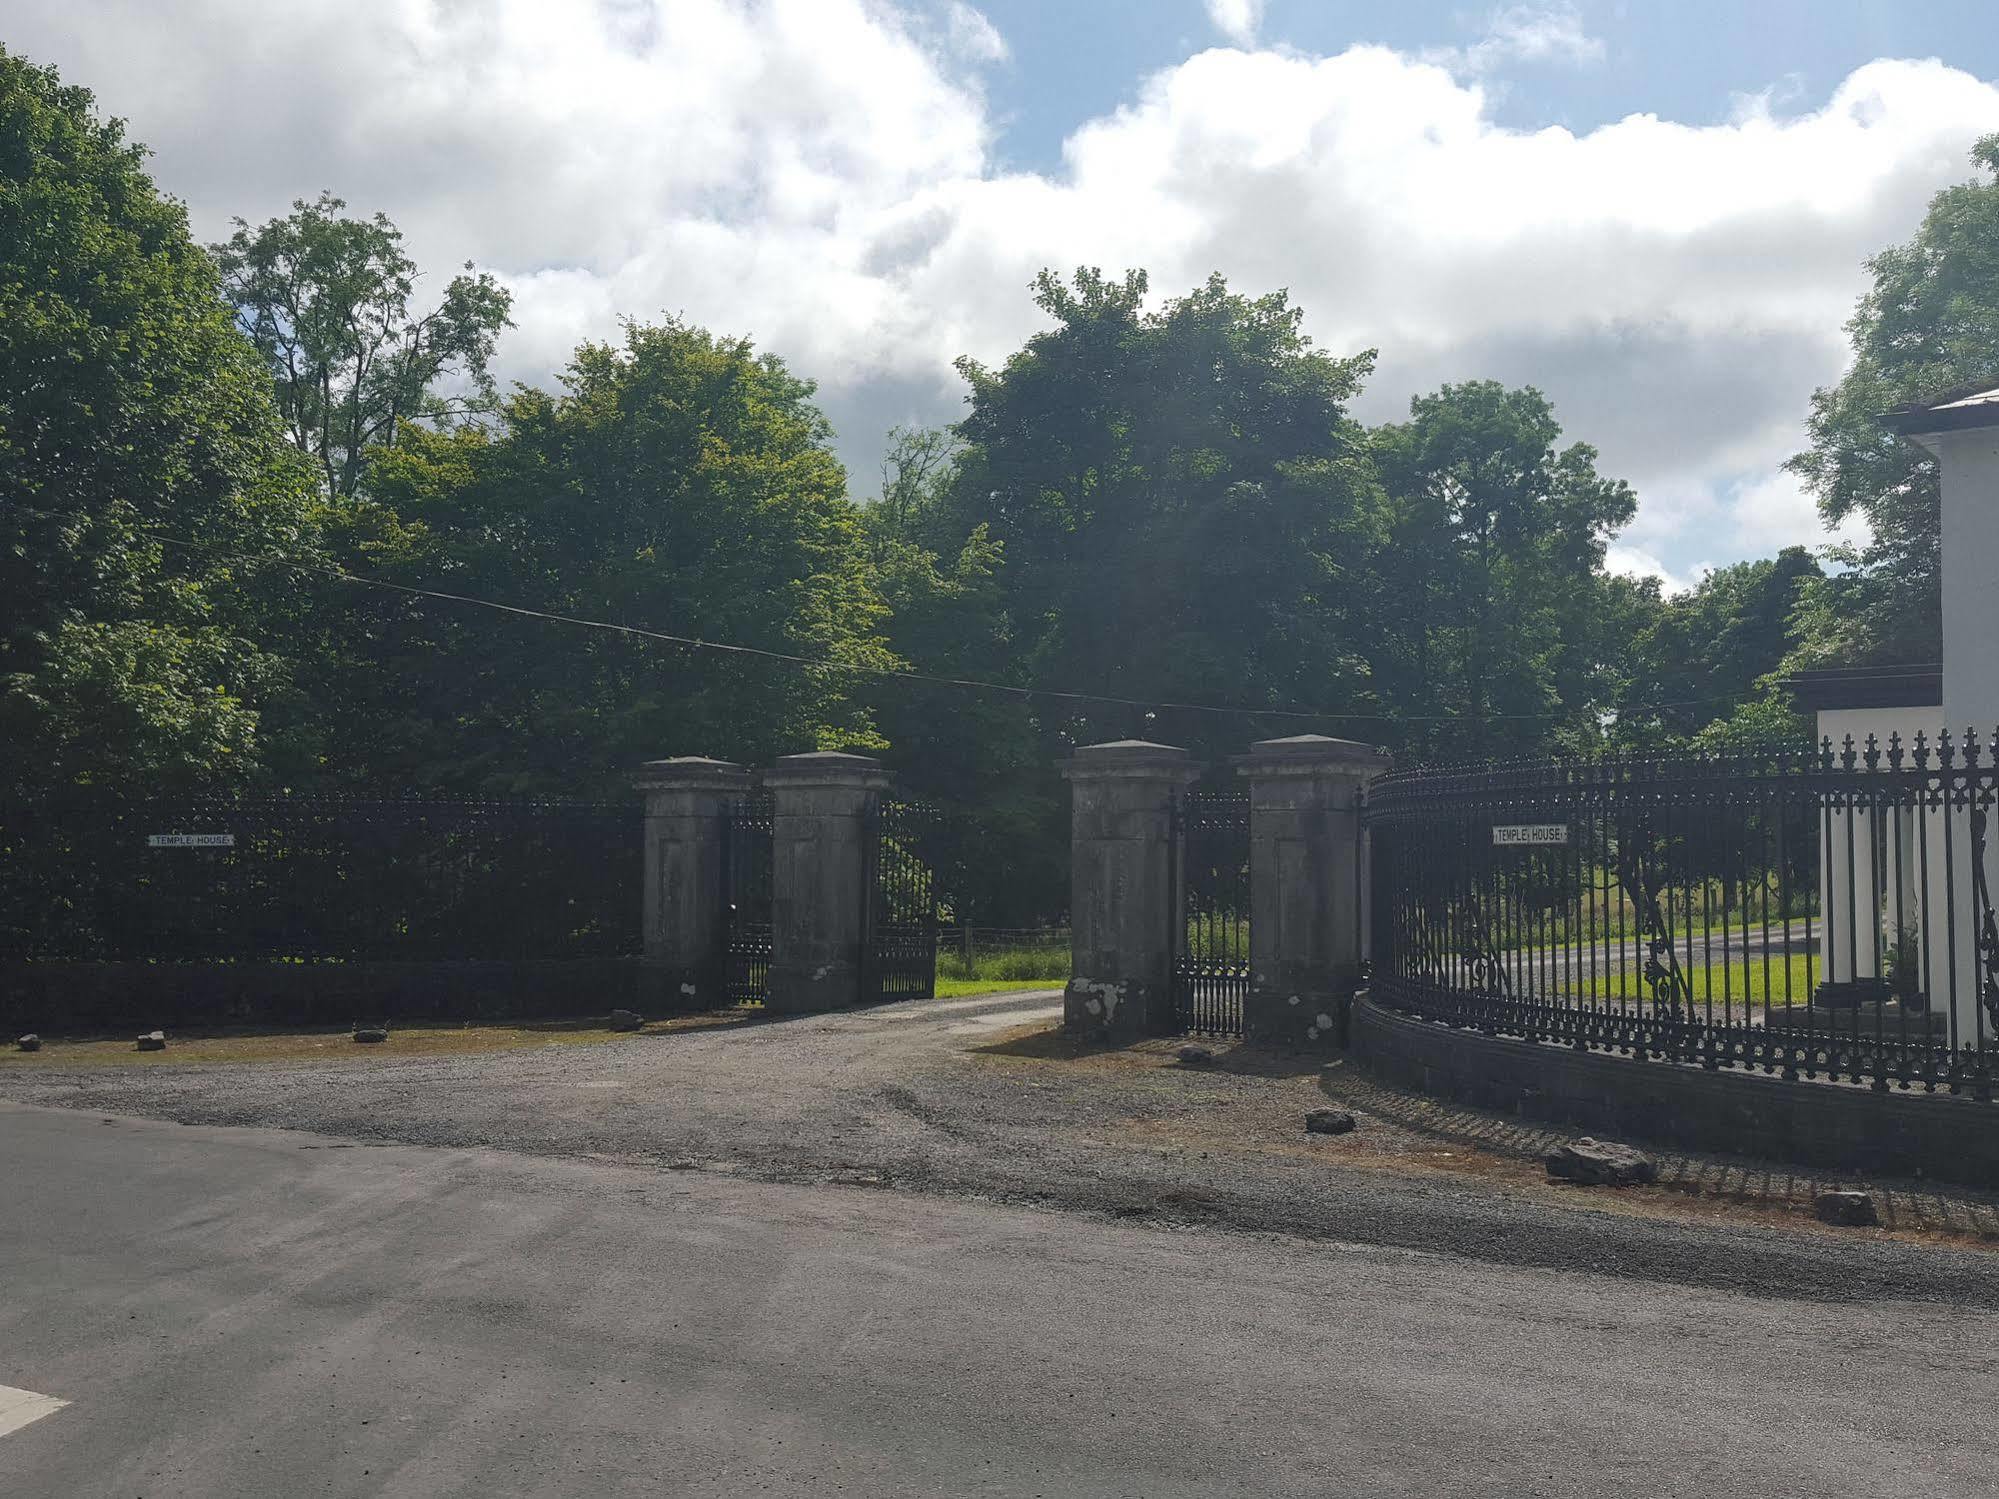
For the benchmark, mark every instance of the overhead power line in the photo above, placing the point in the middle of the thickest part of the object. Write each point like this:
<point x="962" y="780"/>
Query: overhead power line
<point x="695" y="642"/>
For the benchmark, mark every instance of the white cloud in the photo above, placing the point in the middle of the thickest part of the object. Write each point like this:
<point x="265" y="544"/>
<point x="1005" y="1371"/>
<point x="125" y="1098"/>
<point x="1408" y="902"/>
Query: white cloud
<point x="820" y="175"/>
<point x="1551" y="34"/>
<point x="1774" y="511"/>
<point x="1237" y="19"/>
<point x="971" y="35"/>
<point x="1632" y="562"/>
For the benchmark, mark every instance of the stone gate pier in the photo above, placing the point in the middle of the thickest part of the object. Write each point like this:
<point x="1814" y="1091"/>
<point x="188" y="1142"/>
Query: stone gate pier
<point x="1124" y="905"/>
<point x="1308" y="886"/>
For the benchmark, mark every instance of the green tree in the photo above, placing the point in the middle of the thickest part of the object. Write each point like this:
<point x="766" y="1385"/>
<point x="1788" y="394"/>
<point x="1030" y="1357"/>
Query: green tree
<point x="1709" y="654"/>
<point x="328" y="301"/>
<point x="1929" y="325"/>
<point x="131" y="411"/>
<point x="1493" y="624"/>
<point x="1182" y="501"/>
<point x="1165" y="506"/>
<point x="976" y="753"/>
<point x="679" y="482"/>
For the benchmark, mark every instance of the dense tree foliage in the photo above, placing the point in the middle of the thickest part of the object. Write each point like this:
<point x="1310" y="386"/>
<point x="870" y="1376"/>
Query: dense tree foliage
<point x="1930" y="325"/>
<point x="679" y="483"/>
<point x="1182" y="503"/>
<point x="1493" y="627"/>
<point x="131" y="412"/>
<point x="1708" y="655"/>
<point x="327" y="300"/>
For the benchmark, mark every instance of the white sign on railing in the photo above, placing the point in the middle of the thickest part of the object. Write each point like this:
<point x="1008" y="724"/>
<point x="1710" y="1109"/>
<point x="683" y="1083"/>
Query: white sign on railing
<point x="191" y="840"/>
<point x="1530" y="834"/>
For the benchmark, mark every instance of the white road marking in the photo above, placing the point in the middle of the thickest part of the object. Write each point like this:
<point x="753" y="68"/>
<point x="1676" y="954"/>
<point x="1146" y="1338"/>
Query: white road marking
<point x="19" y="1407"/>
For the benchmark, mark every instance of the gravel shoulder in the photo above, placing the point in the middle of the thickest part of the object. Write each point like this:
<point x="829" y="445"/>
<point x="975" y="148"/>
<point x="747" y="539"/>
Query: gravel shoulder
<point x="981" y="1097"/>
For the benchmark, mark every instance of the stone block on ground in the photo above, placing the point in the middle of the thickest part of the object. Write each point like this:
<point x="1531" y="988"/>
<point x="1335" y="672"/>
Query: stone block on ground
<point x="1330" y="1121"/>
<point x="625" y="1020"/>
<point x="1600" y="1163"/>
<point x="371" y="1034"/>
<point x="1847" y="1209"/>
<point x="152" y="1041"/>
<point x="29" y="1042"/>
<point x="1193" y="1056"/>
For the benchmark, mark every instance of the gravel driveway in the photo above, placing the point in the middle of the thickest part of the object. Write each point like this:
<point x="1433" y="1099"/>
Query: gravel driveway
<point x="979" y="1097"/>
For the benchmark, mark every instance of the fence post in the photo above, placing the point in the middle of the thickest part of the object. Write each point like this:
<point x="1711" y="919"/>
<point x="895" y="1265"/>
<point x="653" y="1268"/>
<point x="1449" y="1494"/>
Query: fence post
<point x="686" y="807"/>
<point x="1307" y="883"/>
<point x="1123" y="893"/>
<point x="822" y="871"/>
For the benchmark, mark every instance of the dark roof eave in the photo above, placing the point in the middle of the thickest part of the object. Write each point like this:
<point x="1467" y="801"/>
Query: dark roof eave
<point x="1934" y="423"/>
<point x="1915" y="685"/>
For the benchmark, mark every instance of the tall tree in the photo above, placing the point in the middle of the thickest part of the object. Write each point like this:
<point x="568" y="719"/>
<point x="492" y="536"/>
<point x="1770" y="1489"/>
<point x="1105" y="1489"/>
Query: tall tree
<point x="1929" y="325"/>
<point x="680" y="483"/>
<point x="1182" y="501"/>
<point x="1166" y="505"/>
<point x="976" y="753"/>
<point x="1494" y="622"/>
<point x="138" y="447"/>
<point x="328" y="300"/>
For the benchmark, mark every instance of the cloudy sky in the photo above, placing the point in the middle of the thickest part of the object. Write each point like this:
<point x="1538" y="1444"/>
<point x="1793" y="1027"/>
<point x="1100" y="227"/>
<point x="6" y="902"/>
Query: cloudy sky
<point x="1656" y="212"/>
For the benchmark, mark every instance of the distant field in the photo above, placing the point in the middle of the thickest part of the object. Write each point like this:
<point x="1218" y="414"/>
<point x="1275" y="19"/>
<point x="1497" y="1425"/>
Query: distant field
<point x="1002" y="959"/>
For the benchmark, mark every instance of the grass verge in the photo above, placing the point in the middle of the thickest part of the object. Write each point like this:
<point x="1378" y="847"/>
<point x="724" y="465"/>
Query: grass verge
<point x="1777" y="979"/>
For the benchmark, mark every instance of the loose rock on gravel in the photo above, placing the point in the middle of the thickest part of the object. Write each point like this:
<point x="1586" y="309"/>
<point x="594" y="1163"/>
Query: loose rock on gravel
<point x="1330" y="1121"/>
<point x="1600" y="1163"/>
<point x="29" y="1042"/>
<point x="152" y="1041"/>
<point x="1846" y="1209"/>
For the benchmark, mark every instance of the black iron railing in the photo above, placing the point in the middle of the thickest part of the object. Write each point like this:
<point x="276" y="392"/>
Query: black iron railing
<point x="1815" y="914"/>
<point x="284" y="878"/>
<point x="1211" y="916"/>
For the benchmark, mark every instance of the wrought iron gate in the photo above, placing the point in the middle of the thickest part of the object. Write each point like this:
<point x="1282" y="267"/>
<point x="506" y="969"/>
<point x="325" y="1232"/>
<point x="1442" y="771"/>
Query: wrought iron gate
<point x="746" y="892"/>
<point x="901" y="919"/>
<point x="1211" y="912"/>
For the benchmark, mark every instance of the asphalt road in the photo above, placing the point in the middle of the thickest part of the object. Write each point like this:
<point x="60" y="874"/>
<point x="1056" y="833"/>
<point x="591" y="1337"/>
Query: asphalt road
<point x="247" y="1312"/>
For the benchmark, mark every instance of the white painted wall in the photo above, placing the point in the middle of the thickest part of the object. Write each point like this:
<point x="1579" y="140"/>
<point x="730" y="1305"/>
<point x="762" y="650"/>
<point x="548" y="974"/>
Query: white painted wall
<point x="1970" y="463"/>
<point x="1853" y="843"/>
<point x="1970" y="467"/>
<point x="1836" y="723"/>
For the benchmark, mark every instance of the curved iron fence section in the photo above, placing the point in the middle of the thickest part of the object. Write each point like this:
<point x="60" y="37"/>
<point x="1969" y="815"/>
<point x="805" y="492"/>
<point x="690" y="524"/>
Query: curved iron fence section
<point x="1811" y="914"/>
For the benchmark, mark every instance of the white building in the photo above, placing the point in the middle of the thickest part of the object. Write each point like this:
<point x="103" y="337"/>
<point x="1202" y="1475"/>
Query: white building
<point x="1905" y="896"/>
